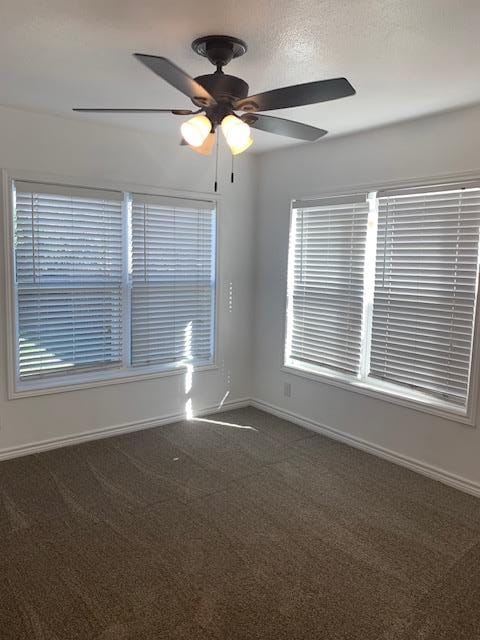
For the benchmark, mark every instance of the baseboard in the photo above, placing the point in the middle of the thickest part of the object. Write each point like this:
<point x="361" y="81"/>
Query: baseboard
<point x="450" y="479"/>
<point x="413" y="464"/>
<point x="55" y="443"/>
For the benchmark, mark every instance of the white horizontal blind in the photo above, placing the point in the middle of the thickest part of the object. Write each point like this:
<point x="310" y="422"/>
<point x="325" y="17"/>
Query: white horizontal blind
<point x="67" y="278"/>
<point x="325" y="289"/>
<point x="425" y="291"/>
<point x="173" y="281"/>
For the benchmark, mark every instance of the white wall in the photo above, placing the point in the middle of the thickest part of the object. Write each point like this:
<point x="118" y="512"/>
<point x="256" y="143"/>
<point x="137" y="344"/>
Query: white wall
<point x="69" y="147"/>
<point x="434" y="146"/>
<point x="440" y="145"/>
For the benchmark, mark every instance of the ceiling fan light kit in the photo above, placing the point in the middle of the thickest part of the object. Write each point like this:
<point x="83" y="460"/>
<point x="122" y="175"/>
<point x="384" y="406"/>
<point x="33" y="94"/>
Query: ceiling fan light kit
<point x="237" y="134"/>
<point x="218" y="96"/>
<point x="195" y="131"/>
<point x="206" y="148"/>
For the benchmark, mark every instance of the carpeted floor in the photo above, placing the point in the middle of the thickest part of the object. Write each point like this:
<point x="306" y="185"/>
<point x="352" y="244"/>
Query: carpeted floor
<point x="239" y="526"/>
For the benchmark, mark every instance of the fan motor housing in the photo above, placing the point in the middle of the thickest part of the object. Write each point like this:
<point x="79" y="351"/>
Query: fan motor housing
<point x="222" y="87"/>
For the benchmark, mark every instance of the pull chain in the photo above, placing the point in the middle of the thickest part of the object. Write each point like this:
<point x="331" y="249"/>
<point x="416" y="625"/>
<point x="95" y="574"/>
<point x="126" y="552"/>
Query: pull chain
<point x="232" y="175"/>
<point x="216" y="167"/>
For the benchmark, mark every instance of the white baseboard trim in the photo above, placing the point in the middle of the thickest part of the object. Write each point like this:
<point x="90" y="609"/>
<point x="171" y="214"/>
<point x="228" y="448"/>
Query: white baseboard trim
<point x="450" y="479"/>
<point x="105" y="432"/>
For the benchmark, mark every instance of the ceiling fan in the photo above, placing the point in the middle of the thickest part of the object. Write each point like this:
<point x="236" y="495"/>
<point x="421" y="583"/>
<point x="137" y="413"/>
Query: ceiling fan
<point x="218" y="95"/>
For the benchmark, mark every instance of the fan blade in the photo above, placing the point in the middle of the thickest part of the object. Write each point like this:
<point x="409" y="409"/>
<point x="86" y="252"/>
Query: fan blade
<point x="297" y="95"/>
<point x="178" y="79"/>
<point x="283" y="127"/>
<point x="177" y="112"/>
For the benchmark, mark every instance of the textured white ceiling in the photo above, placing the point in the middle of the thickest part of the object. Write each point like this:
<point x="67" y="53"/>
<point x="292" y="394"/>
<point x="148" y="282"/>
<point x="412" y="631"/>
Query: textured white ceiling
<point x="404" y="57"/>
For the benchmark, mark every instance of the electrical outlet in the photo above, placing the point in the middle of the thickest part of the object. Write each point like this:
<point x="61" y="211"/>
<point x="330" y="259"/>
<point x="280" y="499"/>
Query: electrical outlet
<point x="287" y="389"/>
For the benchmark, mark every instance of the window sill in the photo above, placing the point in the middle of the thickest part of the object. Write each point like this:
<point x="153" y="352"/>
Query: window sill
<point x="99" y="379"/>
<point x="383" y="391"/>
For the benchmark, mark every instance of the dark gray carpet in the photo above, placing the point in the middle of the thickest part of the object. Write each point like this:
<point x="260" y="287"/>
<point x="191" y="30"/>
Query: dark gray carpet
<point x="243" y="527"/>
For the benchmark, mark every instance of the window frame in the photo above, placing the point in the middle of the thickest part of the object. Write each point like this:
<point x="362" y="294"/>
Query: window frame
<point x="378" y="389"/>
<point x="73" y="381"/>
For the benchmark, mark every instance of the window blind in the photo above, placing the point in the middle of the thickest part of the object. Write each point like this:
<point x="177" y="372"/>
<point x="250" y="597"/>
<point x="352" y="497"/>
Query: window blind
<point x="68" y="248"/>
<point x="173" y="281"/>
<point x="425" y="290"/>
<point x="325" y="289"/>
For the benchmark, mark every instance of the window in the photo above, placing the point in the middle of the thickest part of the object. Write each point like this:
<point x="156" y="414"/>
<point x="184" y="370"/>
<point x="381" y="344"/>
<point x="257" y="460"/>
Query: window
<point x="173" y="281"/>
<point x="68" y="246"/>
<point x="382" y="291"/>
<point x="109" y="283"/>
<point x="328" y="255"/>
